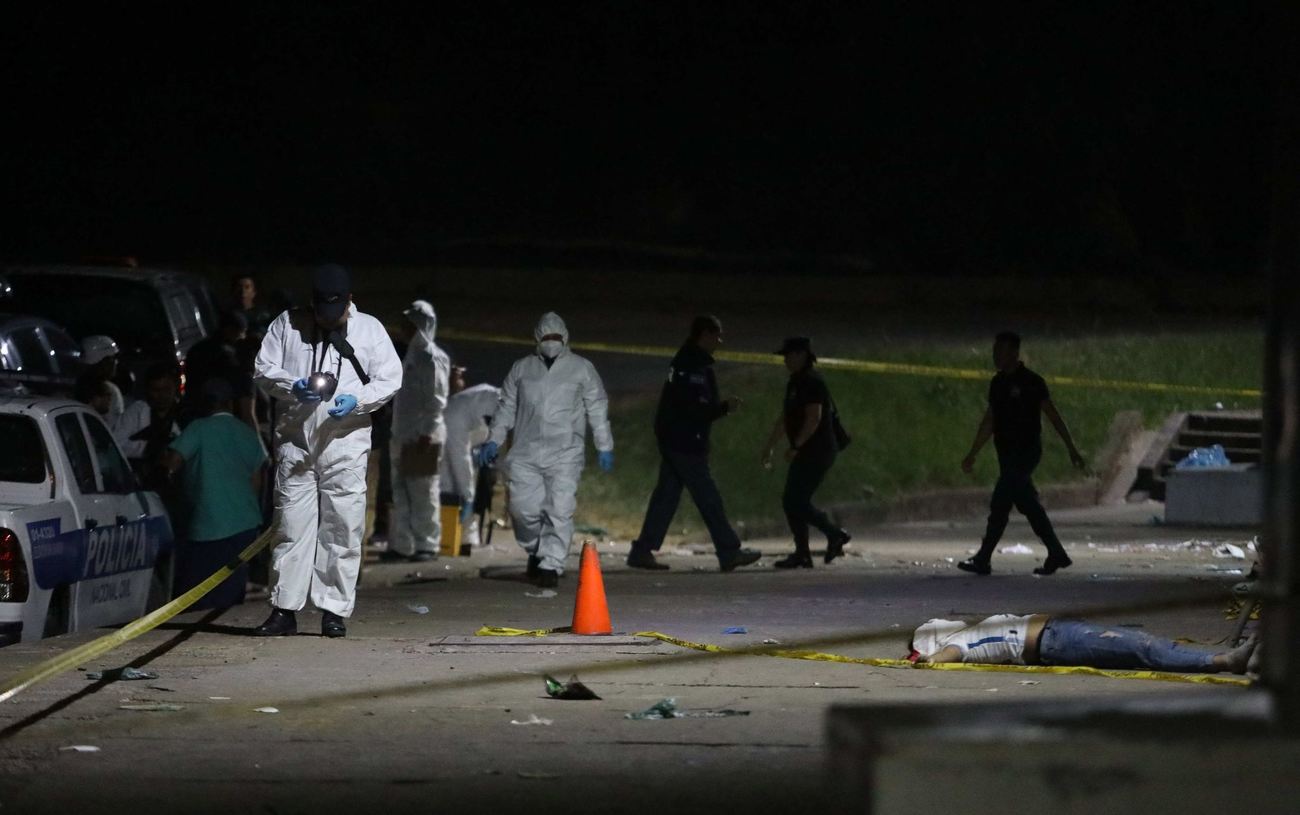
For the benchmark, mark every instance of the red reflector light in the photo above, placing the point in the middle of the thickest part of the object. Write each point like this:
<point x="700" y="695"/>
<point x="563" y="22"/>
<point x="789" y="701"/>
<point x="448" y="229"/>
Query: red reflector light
<point x="13" y="569"/>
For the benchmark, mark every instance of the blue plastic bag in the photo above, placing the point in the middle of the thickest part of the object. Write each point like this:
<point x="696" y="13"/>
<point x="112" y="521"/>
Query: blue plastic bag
<point x="1212" y="456"/>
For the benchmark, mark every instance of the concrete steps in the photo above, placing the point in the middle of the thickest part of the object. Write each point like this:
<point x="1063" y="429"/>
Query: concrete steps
<point x="1241" y="432"/>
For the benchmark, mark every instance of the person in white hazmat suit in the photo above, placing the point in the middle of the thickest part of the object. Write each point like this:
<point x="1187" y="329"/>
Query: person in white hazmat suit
<point x="329" y="367"/>
<point x="418" y="439"/>
<point x="548" y="400"/>
<point x="468" y="413"/>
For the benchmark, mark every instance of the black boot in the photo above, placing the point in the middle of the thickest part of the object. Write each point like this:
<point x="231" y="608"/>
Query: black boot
<point x="1053" y="563"/>
<point x="331" y="625"/>
<point x="639" y="559"/>
<point x="739" y="557"/>
<point x="547" y="578"/>
<point x="281" y="623"/>
<point x="798" y="560"/>
<point x="975" y="566"/>
<point x="835" y="545"/>
<point x="534" y="564"/>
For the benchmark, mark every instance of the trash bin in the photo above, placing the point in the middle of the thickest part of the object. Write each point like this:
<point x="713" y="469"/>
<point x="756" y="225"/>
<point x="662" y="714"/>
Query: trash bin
<point x="450" y="515"/>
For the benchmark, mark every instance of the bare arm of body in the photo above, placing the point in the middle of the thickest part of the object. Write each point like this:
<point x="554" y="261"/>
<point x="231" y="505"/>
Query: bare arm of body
<point x="949" y="653"/>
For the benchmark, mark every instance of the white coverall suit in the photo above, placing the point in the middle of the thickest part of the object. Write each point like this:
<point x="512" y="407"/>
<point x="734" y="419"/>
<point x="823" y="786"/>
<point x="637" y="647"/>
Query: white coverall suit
<point x="466" y="429"/>
<point x="320" y="480"/>
<point x="416" y="524"/>
<point x="549" y="408"/>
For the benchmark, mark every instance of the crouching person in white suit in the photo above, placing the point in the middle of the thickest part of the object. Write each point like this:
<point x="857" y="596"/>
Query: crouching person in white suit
<point x="329" y="367"/>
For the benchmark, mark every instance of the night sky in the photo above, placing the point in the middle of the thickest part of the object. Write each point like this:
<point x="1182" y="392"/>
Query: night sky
<point x="1106" y="138"/>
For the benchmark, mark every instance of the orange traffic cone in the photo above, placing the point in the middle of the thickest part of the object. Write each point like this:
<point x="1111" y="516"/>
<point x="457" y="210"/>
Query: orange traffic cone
<point x="590" y="612"/>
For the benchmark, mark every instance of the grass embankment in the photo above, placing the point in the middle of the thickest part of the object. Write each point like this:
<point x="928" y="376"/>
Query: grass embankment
<point x="910" y="432"/>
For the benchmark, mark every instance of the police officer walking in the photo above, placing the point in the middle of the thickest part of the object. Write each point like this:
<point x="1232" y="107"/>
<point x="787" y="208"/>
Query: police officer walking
<point x="688" y="406"/>
<point x="1017" y="398"/>
<point x="808" y="423"/>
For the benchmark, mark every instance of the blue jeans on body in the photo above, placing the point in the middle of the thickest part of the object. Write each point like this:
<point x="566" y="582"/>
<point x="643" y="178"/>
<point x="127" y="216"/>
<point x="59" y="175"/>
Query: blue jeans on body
<point x="1076" y="642"/>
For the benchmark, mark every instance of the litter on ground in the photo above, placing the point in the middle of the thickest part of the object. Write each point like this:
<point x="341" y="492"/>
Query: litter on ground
<point x="572" y="690"/>
<point x="532" y="719"/>
<point x="127" y="674"/>
<point x="667" y="709"/>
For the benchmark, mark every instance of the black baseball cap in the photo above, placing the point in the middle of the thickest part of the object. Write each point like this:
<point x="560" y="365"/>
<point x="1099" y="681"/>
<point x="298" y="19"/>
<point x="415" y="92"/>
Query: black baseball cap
<point x="796" y="344"/>
<point x="330" y="286"/>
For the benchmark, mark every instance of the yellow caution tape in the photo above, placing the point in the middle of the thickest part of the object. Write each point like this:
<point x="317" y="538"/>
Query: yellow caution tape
<point x="492" y="631"/>
<point x="816" y="656"/>
<point x="96" y="648"/>
<point x="862" y="365"/>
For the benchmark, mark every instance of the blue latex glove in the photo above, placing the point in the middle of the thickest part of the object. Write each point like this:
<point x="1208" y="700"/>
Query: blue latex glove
<point x="343" y="405"/>
<point x="606" y="460"/>
<point x="487" y="453"/>
<point x="303" y="393"/>
<point x="466" y="512"/>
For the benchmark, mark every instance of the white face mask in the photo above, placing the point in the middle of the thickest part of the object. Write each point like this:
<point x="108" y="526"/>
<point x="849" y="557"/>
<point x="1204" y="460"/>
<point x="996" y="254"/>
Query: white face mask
<point x="550" y="348"/>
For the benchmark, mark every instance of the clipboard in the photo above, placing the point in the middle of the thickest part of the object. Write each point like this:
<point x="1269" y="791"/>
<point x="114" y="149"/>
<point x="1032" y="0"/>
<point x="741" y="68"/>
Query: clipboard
<point x="418" y="460"/>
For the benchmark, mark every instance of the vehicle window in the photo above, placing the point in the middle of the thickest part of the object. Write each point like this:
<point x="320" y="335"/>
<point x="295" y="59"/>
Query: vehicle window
<point x="66" y="353"/>
<point x="117" y="475"/>
<point x="74" y="444"/>
<point x="8" y="355"/>
<point x="185" y="316"/>
<point x="129" y="311"/>
<point x="24" y="457"/>
<point x="33" y="357"/>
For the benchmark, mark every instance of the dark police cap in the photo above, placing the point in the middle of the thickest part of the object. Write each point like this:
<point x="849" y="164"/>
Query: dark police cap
<point x="330" y="286"/>
<point x="796" y="344"/>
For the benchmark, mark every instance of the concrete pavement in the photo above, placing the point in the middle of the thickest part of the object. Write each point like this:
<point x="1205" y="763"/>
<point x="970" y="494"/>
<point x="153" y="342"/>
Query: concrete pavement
<point x="412" y="712"/>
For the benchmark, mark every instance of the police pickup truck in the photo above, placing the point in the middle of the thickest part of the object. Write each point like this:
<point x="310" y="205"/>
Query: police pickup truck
<point x="81" y="545"/>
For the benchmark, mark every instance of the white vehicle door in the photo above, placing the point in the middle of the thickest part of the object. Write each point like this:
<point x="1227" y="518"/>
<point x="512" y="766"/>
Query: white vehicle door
<point x="122" y="539"/>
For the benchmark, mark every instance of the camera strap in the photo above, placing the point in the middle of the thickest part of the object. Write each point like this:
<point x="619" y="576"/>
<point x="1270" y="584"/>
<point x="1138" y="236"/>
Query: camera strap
<point x="346" y="351"/>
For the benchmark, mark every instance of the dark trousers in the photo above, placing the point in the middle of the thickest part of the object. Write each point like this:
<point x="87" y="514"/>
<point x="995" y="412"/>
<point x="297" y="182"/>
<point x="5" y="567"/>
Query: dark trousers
<point x="1015" y="487"/>
<point x="197" y="560"/>
<point x="801" y="481"/>
<point x="689" y="471"/>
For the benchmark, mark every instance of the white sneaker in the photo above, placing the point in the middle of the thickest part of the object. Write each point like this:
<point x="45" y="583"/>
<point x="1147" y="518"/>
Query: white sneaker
<point x="469" y="535"/>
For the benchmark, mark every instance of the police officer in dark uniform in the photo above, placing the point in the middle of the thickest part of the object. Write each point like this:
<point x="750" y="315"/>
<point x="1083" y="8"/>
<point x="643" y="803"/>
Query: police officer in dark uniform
<point x="1017" y="398"/>
<point x="688" y="406"/>
<point x="806" y="421"/>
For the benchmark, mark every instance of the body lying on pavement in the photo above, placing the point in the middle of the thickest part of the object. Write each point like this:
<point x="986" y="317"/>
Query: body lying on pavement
<point x="1041" y="639"/>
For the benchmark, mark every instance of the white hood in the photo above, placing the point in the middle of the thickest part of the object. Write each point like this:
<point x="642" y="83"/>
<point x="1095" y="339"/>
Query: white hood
<point x="551" y="323"/>
<point x="425" y="320"/>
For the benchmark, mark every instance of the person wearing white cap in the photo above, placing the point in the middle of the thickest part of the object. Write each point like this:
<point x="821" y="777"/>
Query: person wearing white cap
<point x="329" y="366"/>
<point x="99" y="356"/>
<point x="419" y="433"/>
<point x="548" y="400"/>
